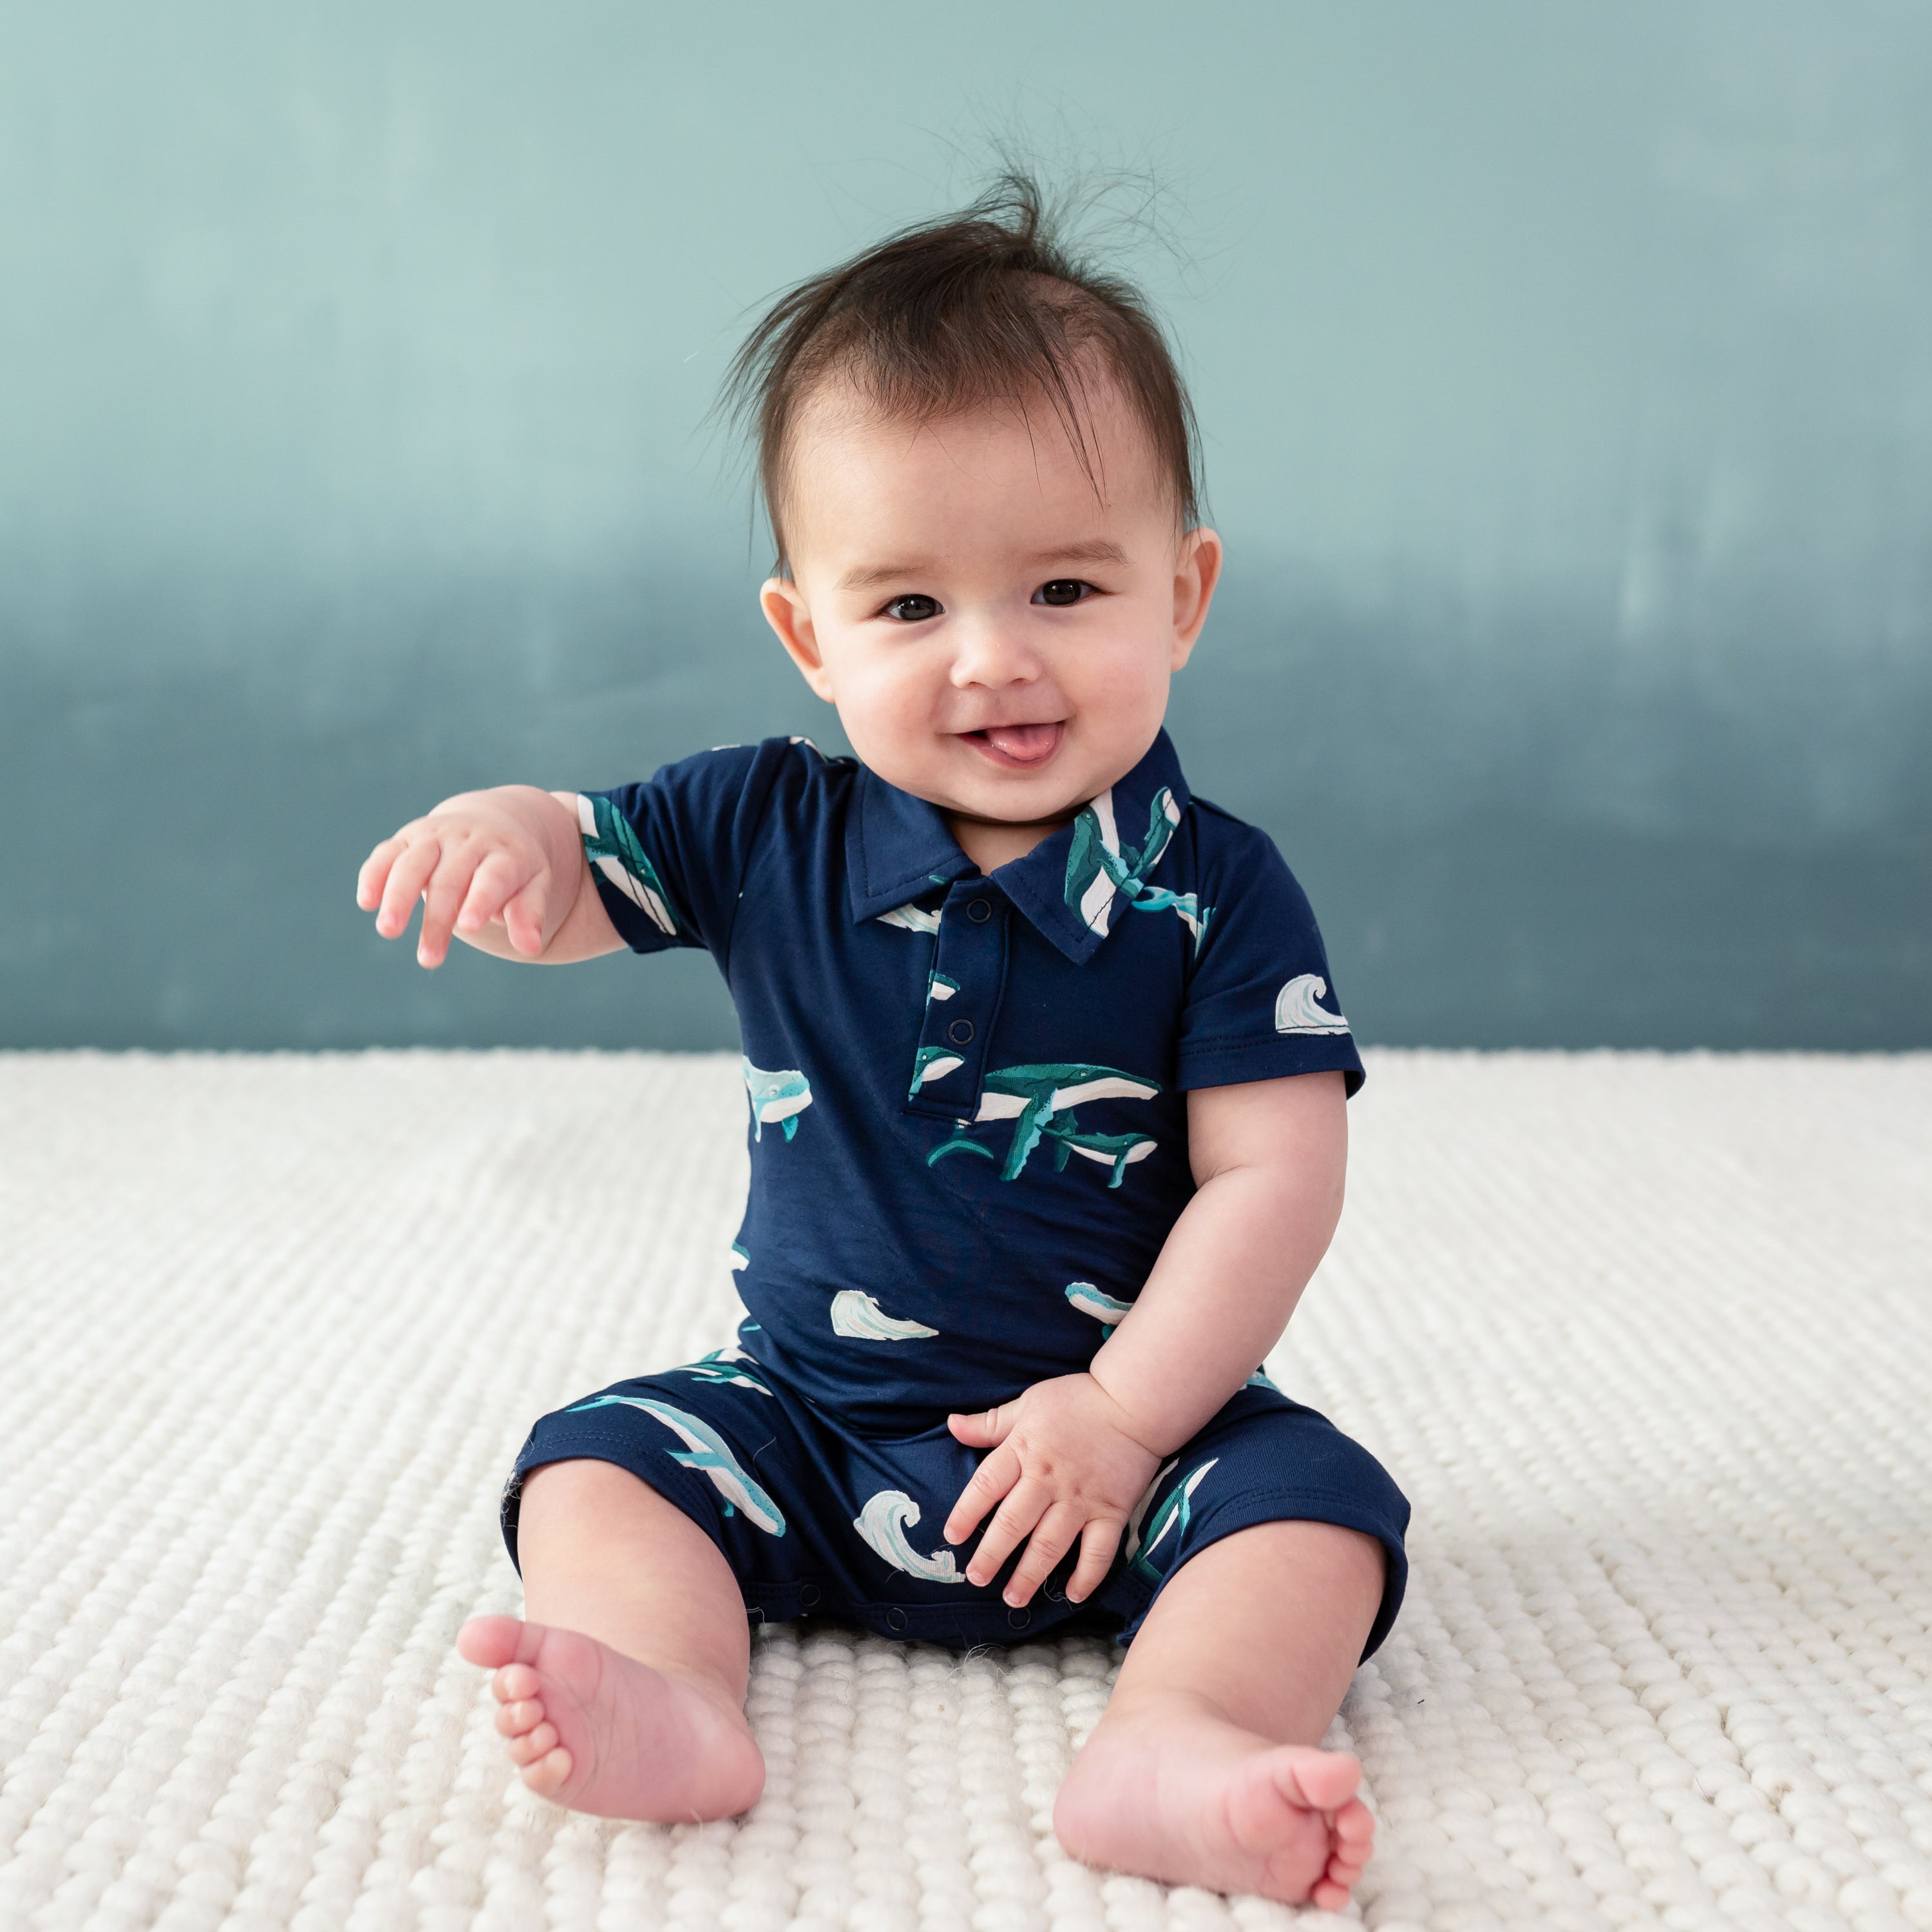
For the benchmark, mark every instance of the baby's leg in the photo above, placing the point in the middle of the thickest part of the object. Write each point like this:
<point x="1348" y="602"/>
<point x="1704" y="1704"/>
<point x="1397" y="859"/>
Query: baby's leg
<point x="623" y="1693"/>
<point x="1204" y="1770"/>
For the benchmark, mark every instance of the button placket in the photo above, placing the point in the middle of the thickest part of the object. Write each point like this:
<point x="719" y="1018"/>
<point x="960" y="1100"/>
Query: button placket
<point x="970" y="961"/>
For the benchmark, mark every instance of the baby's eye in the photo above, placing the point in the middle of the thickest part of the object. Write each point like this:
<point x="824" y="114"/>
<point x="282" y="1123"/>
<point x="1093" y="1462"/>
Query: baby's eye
<point x="913" y="609"/>
<point x="1062" y="590"/>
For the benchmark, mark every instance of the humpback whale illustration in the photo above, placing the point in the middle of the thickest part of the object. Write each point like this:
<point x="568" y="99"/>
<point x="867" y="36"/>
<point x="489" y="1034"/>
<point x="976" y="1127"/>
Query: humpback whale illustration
<point x="707" y="1452"/>
<point x="932" y="1063"/>
<point x="781" y="1097"/>
<point x="1174" y="1514"/>
<point x="911" y="919"/>
<point x="1040" y="1101"/>
<point x="855" y="1313"/>
<point x="1295" y="1010"/>
<point x="939" y="987"/>
<point x="741" y="1256"/>
<point x="723" y="1365"/>
<point x="1098" y="864"/>
<point x="1088" y="1299"/>
<point x="1259" y="1380"/>
<point x="883" y="1522"/>
<point x="612" y="847"/>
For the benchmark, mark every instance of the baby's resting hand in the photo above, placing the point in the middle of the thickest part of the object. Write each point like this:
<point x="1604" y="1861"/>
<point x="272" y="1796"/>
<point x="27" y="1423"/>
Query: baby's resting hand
<point x="1062" y="1459"/>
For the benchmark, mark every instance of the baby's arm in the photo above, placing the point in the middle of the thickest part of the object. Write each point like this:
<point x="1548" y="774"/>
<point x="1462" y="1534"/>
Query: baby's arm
<point x="1072" y="1455"/>
<point x="1269" y="1158"/>
<point x="503" y="869"/>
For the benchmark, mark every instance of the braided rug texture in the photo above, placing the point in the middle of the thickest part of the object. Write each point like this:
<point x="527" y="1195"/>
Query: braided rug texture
<point x="1647" y="1339"/>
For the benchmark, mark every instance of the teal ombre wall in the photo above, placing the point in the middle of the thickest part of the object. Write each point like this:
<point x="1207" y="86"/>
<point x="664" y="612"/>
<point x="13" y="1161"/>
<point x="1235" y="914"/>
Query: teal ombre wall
<point x="1566" y="373"/>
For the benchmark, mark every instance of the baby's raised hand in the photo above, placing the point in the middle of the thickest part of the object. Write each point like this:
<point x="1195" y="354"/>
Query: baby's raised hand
<point x="481" y="856"/>
<point x="1063" y="1459"/>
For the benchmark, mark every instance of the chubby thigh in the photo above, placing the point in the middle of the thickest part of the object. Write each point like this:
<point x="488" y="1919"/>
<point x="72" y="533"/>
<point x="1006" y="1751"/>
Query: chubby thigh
<point x="816" y="1518"/>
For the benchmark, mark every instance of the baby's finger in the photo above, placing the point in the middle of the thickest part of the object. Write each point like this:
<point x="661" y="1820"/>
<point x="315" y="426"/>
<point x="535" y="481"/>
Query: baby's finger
<point x="441" y="903"/>
<point x="1052" y="1537"/>
<point x="495" y="882"/>
<point x="1098" y="1542"/>
<point x="523" y="915"/>
<point x="375" y="869"/>
<point x="1026" y="1503"/>
<point x="407" y="877"/>
<point x="996" y="1475"/>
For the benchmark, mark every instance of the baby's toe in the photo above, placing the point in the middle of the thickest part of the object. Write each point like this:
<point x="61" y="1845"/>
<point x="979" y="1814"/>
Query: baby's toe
<point x="1327" y="1895"/>
<point x="514" y="1682"/>
<point x="549" y="1774"/>
<point x="490" y="1641"/>
<point x="514" y="1720"/>
<point x="534" y="1745"/>
<point x="1354" y="1827"/>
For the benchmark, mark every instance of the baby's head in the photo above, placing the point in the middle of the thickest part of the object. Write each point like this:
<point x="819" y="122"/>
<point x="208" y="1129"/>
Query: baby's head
<point x="979" y="464"/>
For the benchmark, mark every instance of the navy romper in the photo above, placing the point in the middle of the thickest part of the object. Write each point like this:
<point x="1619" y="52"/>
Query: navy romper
<point x="968" y="1139"/>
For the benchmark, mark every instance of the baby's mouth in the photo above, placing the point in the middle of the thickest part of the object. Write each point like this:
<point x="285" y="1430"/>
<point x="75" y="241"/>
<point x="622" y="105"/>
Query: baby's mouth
<point x="1018" y="746"/>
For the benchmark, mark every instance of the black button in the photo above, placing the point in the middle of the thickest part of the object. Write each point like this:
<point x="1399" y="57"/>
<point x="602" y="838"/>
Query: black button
<point x="1019" y="1619"/>
<point x="895" y="1619"/>
<point x="979" y="910"/>
<point x="960" y="1032"/>
<point x="808" y="1596"/>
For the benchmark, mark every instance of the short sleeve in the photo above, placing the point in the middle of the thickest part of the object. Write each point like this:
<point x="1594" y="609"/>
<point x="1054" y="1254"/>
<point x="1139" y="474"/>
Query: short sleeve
<point x="1261" y="1002"/>
<point x="670" y="855"/>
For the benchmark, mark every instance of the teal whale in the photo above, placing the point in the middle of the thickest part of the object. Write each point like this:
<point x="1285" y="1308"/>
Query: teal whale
<point x="778" y="1097"/>
<point x="1098" y="865"/>
<point x="1040" y="1101"/>
<point x="612" y="847"/>
<point x="1088" y="1299"/>
<point x="1174" y="1514"/>
<point x="708" y="1453"/>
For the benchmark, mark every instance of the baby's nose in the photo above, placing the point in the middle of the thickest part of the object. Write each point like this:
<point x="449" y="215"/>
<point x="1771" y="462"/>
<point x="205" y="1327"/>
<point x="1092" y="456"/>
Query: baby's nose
<point x="993" y="653"/>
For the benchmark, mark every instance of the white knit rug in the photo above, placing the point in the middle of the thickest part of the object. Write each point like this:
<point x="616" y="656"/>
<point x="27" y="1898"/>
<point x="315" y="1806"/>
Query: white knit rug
<point x="1648" y="1340"/>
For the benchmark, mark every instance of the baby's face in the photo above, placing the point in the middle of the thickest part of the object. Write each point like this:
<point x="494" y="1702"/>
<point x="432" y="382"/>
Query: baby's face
<point x="996" y="635"/>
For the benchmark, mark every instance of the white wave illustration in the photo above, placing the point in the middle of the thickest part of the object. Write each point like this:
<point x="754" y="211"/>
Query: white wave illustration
<point x="883" y="1522"/>
<point x="911" y="919"/>
<point x="1295" y="1010"/>
<point x="708" y="1453"/>
<point x="855" y="1313"/>
<point x="1088" y="1299"/>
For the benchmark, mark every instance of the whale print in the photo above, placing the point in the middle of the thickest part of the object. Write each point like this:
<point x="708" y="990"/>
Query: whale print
<point x="707" y="1452"/>
<point x="939" y="987"/>
<point x="1174" y="1514"/>
<point x="1295" y="1010"/>
<point x="780" y="1097"/>
<point x="1088" y="1299"/>
<point x="932" y="1063"/>
<point x="732" y="1366"/>
<point x="612" y="847"/>
<point x="855" y="1313"/>
<point x="883" y="1522"/>
<point x="1259" y="1380"/>
<point x="911" y="919"/>
<point x="741" y="1256"/>
<point x="1098" y="865"/>
<point x="1040" y="1101"/>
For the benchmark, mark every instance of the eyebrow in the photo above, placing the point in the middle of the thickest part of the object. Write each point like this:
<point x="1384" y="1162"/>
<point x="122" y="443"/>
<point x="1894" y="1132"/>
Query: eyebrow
<point x="870" y="576"/>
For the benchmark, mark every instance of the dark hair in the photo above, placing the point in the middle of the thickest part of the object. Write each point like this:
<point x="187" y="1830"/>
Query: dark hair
<point x="983" y="306"/>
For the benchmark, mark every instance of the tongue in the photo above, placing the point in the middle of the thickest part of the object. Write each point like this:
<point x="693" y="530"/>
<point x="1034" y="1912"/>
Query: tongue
<point x="1020" y="741"/>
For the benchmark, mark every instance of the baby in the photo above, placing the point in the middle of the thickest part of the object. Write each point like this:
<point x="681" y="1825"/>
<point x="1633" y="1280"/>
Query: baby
<point x="1046" y="1082"/>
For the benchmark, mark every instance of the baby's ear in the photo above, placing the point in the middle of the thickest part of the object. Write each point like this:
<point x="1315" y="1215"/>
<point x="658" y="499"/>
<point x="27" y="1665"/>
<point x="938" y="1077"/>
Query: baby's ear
<point x="1197" y="570"/>
<point x="788" y="614"/>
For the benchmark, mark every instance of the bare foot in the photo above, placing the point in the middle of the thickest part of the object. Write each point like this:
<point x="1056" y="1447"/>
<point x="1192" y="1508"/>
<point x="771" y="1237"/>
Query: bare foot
<point x="1176" y="1794"/>
<point x="600" y="1732"/>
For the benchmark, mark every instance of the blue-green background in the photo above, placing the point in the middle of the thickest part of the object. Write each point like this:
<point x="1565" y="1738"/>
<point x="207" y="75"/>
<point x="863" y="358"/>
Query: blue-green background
<point x="1566" y="375"/>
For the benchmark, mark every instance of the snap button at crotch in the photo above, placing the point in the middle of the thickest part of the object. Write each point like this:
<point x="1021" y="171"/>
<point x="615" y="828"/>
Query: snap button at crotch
<point x="808" y="1594"/>
<point x="1019" y="1619"/>
<point x="960" y="1033"/>
<point x="895" y="1619"/>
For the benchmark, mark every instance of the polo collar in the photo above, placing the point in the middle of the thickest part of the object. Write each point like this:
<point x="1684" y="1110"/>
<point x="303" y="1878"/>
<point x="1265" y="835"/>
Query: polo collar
<point x="1070" y="886"/>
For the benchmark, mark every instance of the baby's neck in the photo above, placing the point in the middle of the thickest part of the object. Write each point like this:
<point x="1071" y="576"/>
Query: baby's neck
<point x="991" y="843"/>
